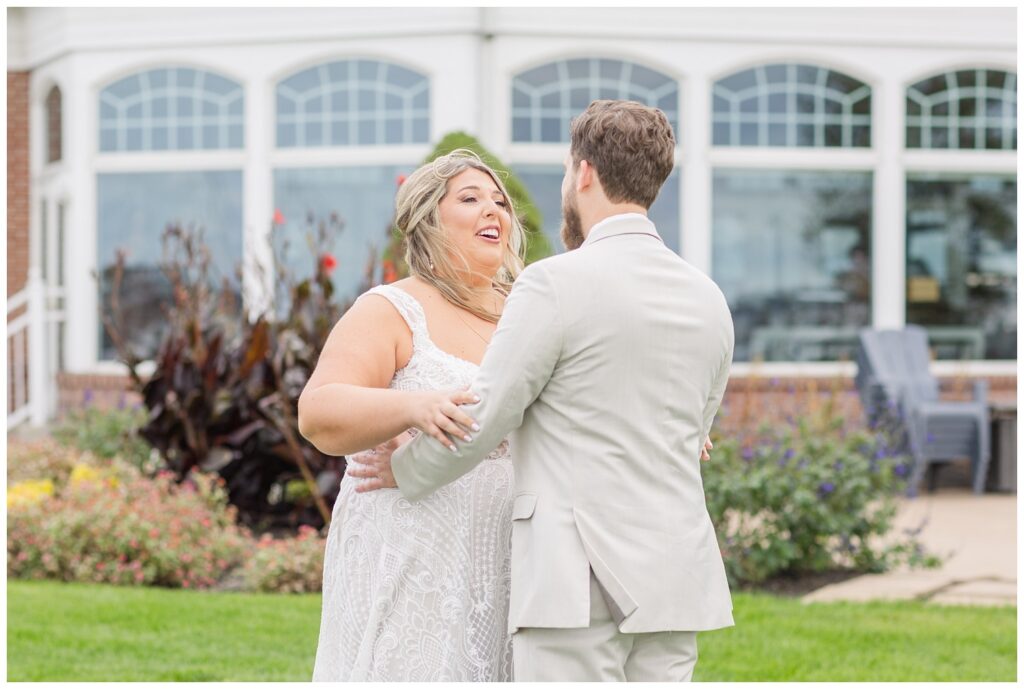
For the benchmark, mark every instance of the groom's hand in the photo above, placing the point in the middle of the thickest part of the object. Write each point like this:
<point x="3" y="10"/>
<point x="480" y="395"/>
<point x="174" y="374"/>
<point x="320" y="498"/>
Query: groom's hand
<point x="704" y="456"/>
<point x="374" y="466"/>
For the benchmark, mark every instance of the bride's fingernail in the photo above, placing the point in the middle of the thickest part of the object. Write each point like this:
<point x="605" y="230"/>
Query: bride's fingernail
<point x="452" y="448"/>
<point x="475" y="427"/>
<point x="467" y="438"/>
<point x="476" y="398"/>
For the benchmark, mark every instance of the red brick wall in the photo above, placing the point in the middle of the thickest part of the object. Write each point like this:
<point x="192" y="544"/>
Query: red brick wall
<point x="17" y="180"/>
<point x="77" y="391"/>
<point x="753" y="400"/>
<point x="748" y="400"/>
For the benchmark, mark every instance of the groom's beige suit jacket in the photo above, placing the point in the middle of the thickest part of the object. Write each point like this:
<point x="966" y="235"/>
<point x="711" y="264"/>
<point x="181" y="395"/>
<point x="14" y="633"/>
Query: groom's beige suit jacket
<point x="606" y="370"/>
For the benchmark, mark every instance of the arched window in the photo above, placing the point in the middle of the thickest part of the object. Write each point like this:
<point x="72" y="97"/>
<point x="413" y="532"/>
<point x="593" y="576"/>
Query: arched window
<point x="53" y="125"/>
<point x="171" y="108"/>
<point x="964" y="109"/>
<point x="790" y="104"/>
<point x="546" y="98"/>
<point x="353" y="103"/>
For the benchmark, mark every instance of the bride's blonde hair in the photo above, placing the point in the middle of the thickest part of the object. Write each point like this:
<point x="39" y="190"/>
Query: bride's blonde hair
<point x="431" y="255"/>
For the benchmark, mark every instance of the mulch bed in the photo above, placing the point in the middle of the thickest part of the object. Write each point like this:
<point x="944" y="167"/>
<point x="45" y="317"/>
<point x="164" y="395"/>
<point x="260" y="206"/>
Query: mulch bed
<point x="795" y="587"/>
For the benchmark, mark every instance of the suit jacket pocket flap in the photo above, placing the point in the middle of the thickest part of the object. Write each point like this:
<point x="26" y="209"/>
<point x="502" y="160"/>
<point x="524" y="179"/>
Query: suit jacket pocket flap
<point x="523" y="506"/>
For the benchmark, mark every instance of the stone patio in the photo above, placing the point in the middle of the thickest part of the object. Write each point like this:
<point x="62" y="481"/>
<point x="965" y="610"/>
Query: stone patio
<point x="975" y="535"/>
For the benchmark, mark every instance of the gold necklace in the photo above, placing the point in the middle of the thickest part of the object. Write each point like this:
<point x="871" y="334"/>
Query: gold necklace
<point x="486" y="341"/>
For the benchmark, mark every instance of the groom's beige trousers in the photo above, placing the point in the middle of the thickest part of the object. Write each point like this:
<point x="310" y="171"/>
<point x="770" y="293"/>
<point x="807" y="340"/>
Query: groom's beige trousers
<point x="600" y="652"/>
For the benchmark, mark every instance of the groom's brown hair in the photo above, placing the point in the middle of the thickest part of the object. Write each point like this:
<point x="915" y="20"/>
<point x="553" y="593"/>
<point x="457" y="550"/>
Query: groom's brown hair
<point x="629" y="144"/>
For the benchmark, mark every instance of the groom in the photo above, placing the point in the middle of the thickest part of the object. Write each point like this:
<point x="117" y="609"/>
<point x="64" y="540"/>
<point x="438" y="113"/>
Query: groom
<point x="606" y="370"/>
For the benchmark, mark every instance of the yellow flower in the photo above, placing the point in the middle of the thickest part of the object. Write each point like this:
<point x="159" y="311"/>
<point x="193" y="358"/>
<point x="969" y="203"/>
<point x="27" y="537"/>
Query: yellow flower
<point x="28" y="493"/>
<point x="82" y="473"/>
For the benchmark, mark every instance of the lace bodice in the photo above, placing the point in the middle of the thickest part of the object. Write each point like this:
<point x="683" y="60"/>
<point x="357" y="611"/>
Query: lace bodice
<point x="419" y="591"/>
<point x="429" y="367"/>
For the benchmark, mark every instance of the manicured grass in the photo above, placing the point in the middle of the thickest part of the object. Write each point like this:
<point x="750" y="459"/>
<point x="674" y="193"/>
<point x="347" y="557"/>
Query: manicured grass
<point x="99" y="633"/>
<point x="94" y="633"/>
<point x="779" y="639"/>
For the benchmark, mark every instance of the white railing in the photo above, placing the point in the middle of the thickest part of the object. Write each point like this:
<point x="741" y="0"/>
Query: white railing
<point x="32" y="347"/>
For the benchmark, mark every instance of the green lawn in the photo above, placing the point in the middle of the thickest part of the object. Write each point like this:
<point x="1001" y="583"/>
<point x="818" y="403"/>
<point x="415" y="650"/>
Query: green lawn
<point x="80" y="632"/>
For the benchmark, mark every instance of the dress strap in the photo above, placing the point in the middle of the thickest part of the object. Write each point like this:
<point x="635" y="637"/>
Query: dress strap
<point x="407" y="306"/>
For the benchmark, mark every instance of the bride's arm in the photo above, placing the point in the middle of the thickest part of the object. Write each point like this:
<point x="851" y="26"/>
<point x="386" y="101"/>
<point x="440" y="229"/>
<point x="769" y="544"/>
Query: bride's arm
<point x="516" y="367"/>
<point x="346" y="406"/>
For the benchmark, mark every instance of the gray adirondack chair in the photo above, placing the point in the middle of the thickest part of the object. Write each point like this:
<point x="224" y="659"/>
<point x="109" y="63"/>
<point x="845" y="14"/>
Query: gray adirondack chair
<point x="893" y="376"/>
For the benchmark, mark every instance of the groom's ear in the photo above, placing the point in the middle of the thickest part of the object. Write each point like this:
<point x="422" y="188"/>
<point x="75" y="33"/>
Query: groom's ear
<point x="585" y="176"/>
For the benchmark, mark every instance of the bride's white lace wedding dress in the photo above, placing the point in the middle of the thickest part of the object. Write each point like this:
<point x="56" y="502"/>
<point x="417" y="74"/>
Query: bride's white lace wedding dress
<point x="419" y="591"/>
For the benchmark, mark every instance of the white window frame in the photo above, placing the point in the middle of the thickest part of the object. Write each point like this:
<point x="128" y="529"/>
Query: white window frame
<point x="192" y="160"/>
<point x="792" y="89"/>
<point x="383" y="88"/>
<point x="223" y="119"/>
<point x="980" y="121"/>
<point x="516" y="153"/>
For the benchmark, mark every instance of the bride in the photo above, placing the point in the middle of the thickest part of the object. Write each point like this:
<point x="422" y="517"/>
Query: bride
<point x="420" y="591"/>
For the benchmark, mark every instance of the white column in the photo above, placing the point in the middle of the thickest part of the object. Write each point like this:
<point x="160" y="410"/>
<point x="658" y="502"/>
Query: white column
<point x="487" y="96"/>
<point x="38" y="374"/>
<point x="695" y="129"/>
<point x="888" y="241"/>
<point x="81" y="302"/>
<point x="258" y="194"/>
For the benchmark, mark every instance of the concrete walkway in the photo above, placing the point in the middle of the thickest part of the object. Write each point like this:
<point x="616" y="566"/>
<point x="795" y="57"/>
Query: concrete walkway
<point x="976" y="537"/>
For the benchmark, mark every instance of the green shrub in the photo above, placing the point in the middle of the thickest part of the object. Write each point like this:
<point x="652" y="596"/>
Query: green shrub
<point x="108" y="434"/>
<point x="808" y="497"/>
<point x="288" y="565"/>
<point x="113" y="525"/>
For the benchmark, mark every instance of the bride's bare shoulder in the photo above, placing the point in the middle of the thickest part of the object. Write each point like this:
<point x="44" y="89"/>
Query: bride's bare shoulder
<point x="429" y="297"/>
<point x="418" y="288"/>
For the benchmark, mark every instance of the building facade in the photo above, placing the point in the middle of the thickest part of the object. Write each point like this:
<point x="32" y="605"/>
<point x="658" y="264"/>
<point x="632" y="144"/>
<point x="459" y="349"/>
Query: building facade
<point x="836" y="168"/>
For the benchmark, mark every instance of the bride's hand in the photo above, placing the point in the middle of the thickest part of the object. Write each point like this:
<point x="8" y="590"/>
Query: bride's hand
<point x="438" y="413"/>
<point x="373" y="467"/>
<point x="704" y="456"/>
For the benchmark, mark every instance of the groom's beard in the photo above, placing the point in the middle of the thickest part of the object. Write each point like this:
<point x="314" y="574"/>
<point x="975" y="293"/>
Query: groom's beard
<point x="572" y="226"/>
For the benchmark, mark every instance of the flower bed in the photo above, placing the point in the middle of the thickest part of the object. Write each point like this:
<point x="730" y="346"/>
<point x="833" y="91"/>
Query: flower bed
<point x="287" y="565"/>
<point x="112" y="525"/>
<point x="807" y="494"/>
<point x="73" y="516"/>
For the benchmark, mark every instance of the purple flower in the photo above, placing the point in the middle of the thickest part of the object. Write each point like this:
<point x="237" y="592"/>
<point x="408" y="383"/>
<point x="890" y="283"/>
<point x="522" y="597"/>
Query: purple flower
<point x="773" y="382"/>
<point x="87" y="396"/>
<point x="881" y="453"/>
<point x="748" y="454"/>
<point x="901" y="470"/>
<point x="789" y="453"/>
<point x="826" y="488"/>
<point x="838" y="466"/>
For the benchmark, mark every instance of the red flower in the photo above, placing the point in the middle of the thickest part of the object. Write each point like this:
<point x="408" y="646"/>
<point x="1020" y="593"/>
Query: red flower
<point x="390" y="273"/>
<point x="329" y="263"/>
<point x="278" y="217"/>
<point x="400" y="180"/>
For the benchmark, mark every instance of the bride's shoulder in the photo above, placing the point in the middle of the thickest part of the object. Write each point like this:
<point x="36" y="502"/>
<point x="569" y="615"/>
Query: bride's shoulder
<point x="413" y="286"/>
<point x="400" y="302"/>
